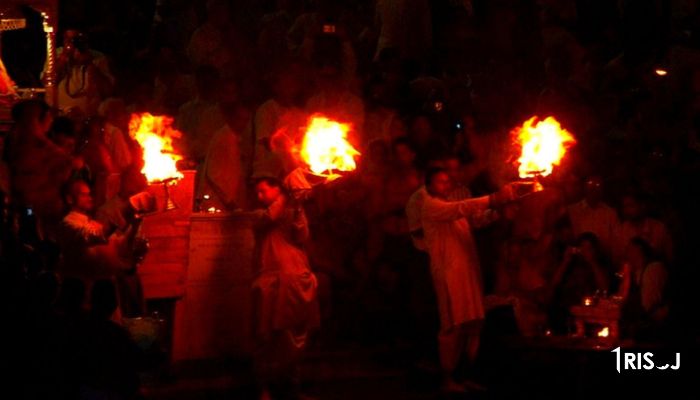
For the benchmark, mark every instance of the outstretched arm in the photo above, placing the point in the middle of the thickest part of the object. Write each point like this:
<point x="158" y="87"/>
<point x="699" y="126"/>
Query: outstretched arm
<point x="441" y="210"/>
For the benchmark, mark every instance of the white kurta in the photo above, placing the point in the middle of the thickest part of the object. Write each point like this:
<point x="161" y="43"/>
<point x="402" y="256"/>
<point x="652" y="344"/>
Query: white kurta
<point x="454" y="263"/>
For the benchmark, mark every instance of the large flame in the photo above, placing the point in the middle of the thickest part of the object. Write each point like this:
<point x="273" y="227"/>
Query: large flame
<point x="325" y="147"/>
<point x="7" y="86"/>
<point x="155" y="134"/>
<point x="544" y="144"/>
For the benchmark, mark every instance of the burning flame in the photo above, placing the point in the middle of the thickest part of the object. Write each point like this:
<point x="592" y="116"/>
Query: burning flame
<point x="605" y="332"/>
<point x="155" y="135"/>
<point x="661" y="72"/>
<point x="325" y="147"/>
<point x="7" y="86"/>
<point x="543" y="143"/>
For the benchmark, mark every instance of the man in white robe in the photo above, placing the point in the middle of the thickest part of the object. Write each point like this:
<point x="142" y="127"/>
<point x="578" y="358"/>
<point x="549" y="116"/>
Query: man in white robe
<point x="454" y="265"/>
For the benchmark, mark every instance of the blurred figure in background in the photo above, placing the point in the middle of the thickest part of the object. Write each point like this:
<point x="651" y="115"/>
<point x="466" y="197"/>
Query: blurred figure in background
<point x="223" y="173"/>
<point x="520" y="273"/>
<point x="584" y="271"/>
<point x="39" y="167"/>
<point x="334" y="97"/>
<point x="592" y="215"/>
<point x="638" y="223"/>
<point x="201" y="117"/>
<point x="115" y="131"/>
<point x="83" y="75"/>
<point x="404" y="25"/>
<point x="280" y="114"/>
<point x="643" y="287"/>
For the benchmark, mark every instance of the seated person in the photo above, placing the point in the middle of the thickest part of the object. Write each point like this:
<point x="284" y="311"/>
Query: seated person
<point x="520" y="276"/>
<point x="643" y="290"/>
<point x="583" y="271"/>
<point x="99" y="249"/>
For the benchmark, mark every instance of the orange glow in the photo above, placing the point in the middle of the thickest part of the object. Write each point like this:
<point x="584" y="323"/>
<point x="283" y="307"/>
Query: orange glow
<point x="543" y="144"/>
<point x="605" y="332"/>
<point x="7" y="86"/>
<point x="661" y="72"/>
<point x="325" y="147"/>
<point x="155" y="135"/>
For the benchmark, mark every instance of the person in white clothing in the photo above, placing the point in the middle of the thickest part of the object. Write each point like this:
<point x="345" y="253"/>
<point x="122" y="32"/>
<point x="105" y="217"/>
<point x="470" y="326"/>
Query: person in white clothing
<point x="454" y="265"/>
<point x="279" y="116"/>
<point x="592" y="215"/>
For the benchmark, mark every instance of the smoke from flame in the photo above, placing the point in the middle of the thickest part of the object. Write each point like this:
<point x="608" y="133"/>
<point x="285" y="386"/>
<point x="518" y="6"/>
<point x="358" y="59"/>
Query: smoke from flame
<point x="155" y="135"/>
<point x="325" y="147"/>
<point x="543" y="144"/>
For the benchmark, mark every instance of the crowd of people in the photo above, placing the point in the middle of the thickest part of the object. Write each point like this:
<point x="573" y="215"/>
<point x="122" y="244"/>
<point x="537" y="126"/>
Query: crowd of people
<point x="427" y="235"/>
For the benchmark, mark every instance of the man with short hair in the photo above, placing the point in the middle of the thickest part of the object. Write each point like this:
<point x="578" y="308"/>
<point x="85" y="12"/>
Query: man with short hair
<point x="454" y="266"/>
<point x="99" y="249"/>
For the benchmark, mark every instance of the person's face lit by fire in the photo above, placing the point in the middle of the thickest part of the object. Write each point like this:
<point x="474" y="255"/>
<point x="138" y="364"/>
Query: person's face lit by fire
<point x="80" y="198"/>
<point x="267" y="193"/>
<point x="440" y="185"/>
<point x="594" y="191"/>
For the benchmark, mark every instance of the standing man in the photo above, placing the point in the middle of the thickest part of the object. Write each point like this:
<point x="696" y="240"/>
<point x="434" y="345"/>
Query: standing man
<point x="284" y="292"/>
<point x="454" y="265"/>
